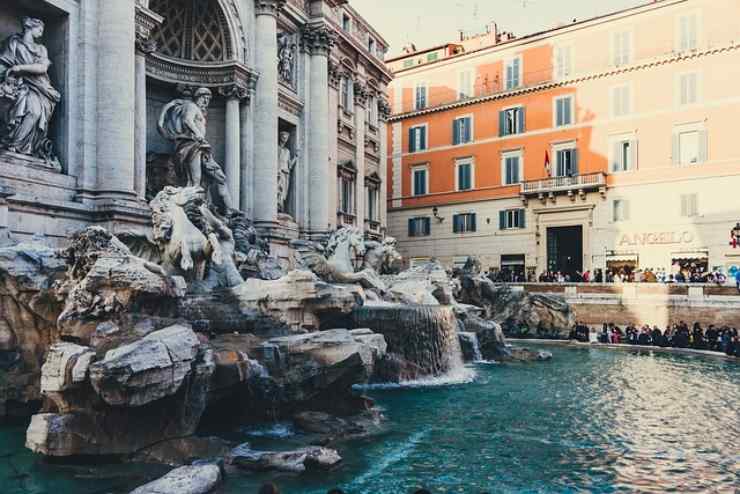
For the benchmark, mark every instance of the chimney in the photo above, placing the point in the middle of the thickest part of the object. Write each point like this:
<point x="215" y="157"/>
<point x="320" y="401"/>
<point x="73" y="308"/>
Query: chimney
<point x="492" y="30"/>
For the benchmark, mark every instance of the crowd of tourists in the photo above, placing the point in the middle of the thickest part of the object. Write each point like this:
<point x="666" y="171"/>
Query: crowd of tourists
<point x="719" y="339"/>
<point x="661" y="275"/>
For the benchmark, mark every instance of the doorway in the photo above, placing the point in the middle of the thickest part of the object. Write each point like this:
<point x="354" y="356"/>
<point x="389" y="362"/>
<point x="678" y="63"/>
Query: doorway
<point x="565" y="249"/>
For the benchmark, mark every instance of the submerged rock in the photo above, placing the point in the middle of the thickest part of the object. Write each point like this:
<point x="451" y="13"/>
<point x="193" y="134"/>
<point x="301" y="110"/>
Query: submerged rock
<point x="527" y="355"/>
<point x="182" y="451"/>
<point x="194" y="479"/>
<point x="297" y="461"/>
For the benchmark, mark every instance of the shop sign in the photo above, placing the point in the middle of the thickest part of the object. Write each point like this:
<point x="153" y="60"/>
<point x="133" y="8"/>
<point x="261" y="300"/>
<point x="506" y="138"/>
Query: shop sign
<point x="656" y="238"/>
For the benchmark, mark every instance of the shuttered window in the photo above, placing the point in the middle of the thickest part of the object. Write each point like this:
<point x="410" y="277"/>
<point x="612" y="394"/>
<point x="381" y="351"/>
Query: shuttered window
<point x="419" y="227"/>
<point x="621" y="101"/>
<point x="513" y="73"/>
<point x="566" y="162"/>
<point x="620" y="210"/>
<point x="421" y="96"/>
<point x="462" y="223"/>
<point x="512" y="121"/>
<point x="690" y="147"/>
<point x="563" y="111"/>
<point x="464" y="175"/>
<point x="688" y="32"/>
<point x="622" y="48"/>
<point x="462" y="130"/>
<point x="511" y="167"/>
<point x="689" y="205"/>
<point x="688" y="89"/>
<point x="624" y="155"/>
<point x="420" y="181"/>
<point x="417" y="139"/>
<point x="465" y="84"/>
<point x="511" y="219"/>
<point x="563" y="62"/>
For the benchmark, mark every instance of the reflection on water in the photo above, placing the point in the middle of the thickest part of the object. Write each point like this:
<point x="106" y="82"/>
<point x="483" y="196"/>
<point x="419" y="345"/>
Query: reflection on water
<point x="591" y="420"/>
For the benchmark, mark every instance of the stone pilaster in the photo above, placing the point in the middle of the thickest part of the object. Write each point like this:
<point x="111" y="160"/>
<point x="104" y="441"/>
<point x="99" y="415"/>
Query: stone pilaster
<point x="266" y="114"/>
<point x="361" y="99"/>
<point x="146" y="22"/>
<point x="384" y="111"/>
<point x="116" y="97"/>
<point x="318" y="40"/>
<point x="232" y="164"/>
<point x="246" y="139"/>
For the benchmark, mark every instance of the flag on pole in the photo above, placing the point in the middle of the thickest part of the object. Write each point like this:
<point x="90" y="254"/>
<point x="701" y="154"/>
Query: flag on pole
<point x="548" y="169"/>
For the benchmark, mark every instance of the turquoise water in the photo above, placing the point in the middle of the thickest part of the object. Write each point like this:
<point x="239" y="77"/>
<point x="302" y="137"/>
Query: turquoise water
<point x="591" y="420"/>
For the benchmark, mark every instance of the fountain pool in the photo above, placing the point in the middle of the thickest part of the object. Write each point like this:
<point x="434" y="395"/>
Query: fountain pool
<point x="591" y="420"/>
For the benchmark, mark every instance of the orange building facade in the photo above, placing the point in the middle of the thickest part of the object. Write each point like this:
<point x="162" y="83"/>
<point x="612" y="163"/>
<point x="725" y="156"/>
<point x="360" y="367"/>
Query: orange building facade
<point x="602" y="144"/>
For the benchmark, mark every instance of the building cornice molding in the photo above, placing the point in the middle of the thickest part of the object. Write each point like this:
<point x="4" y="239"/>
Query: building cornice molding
<point x="319" y="38"/>
<point x="269" y="7"/>
<point x="657" y="62"/>
<point x="146" y="22"/>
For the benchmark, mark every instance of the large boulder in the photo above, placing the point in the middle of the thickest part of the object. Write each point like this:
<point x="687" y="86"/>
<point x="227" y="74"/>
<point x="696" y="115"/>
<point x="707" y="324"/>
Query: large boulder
<point x="138" y="395"/>
<point x="295" y="302"/>
<point x="427" y="284"/>
<point x="316" y="371"/>
<point x="194" y="479"/>
<point x="297" y="461"/>
<point x="28" y="313"/>
<point x="106" y="282"/>
<point x="147" y="370"/>
<point x="518" y="312"/>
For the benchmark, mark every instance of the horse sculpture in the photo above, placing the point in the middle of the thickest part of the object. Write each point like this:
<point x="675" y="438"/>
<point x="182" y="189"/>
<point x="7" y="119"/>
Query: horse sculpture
<point x="337" y="262"/>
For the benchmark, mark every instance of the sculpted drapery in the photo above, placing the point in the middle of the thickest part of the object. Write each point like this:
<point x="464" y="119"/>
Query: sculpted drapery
<point x="28" y="97"/>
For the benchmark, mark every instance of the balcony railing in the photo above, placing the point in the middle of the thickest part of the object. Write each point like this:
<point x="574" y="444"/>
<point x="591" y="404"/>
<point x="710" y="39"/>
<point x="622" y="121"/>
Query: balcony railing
<point x="591" y="181"/>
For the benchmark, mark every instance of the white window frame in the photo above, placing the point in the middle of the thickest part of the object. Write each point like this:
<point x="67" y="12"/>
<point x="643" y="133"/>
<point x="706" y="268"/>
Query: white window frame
<point x="677" y="30"/>
<point x="625" y="216"/>
<point x="425" y="126"/>
<point x="471" y="75"/>
<point x="572" y="98"/>
<point x="630" y="137"/>
<point x="630" y="99"/>
<point x="683" y="198"/>
<point x="371" y="45"/>
<point x="687" y="128"/>
<point x="414" y="169"/>
<point x="561" y="146"/>
<point x="460" y="162"/>
<point x="511" y="214"/>
<point x="472" y="128"/>
<point x="679" y="89"/>
<point x="512" y="153"/>
<point x="630" y="32"/>
<point x="465" y="212"/>
<point x="425" y="85"/>
<point x="347" y="16"/>
<point x="520" y="75"/>
<point x="559" y="74"/>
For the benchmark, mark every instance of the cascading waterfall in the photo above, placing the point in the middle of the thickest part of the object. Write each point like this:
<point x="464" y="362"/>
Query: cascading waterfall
<point x="423" y="340"/>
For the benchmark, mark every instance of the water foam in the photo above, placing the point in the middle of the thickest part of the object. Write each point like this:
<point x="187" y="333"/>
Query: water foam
<point x="279" y="430"/>
<point x="458" y="375"/>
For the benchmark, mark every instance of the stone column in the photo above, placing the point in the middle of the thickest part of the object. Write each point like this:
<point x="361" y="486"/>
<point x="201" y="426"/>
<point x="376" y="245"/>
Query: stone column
<point x="116" y="96"/>
<point x="361" y="99"/>
<point x="232" y="164"/>
<point x="383" y="114"/>
<point x="245" y="147"/>
<point x="266" y="114"/>
<point x="319" y="39"/>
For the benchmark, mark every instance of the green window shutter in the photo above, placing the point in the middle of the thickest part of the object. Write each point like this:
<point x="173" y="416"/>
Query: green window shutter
<point x="412" y="232"/>
<point x="456" y="132"/>
<point x="522" y="216"/>
<point x="456" y="223"/>
<point x="502" y="220"/>
<point x="427" y="226"/>
<point x="501" y="123"/>
<point x="423" y="140"/>
<point x="473" y="222"/>
<point x="522" y="121"/>
<point x="575" y="162"/>
<point x="412" y="141"/>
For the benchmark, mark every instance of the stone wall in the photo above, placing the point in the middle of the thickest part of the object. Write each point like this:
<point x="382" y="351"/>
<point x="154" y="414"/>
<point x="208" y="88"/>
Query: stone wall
<point x="643" y="303"/>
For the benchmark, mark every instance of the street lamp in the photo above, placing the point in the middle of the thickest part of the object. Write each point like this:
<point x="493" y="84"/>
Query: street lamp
<point x="435" y="213"/>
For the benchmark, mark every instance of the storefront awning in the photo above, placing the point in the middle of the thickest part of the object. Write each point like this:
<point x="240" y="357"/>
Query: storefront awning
<point x="622" y="258"/>
<point x="688" y="256"/>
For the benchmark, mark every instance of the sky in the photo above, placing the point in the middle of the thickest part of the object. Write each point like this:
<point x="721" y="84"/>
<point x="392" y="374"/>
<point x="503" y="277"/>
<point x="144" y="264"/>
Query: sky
<point x="432" y="22"/>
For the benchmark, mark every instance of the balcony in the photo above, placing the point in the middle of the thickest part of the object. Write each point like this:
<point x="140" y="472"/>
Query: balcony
<point x="548" y="188"/>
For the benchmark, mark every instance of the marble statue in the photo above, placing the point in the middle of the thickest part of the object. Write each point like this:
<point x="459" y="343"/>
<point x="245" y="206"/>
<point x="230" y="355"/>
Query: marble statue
<point x="26" y="94"/>
<point x="336" y="262"/>
<point x="184" y="123"/>
<point x="383" y="256"/>
<point x="286" y="58"/>
<point x="286" y="163"/>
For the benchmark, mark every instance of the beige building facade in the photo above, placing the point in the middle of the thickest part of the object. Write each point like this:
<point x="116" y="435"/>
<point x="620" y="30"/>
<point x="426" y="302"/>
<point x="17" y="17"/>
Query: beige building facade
<point x="602" y="144"/>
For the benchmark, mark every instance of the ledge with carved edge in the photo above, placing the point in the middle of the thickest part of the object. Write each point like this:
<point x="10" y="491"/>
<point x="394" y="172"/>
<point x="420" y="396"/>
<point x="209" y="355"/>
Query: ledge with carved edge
<point x="548" y="188"/>
<point x="222" y="76"/>
<point x="290" y="102"/>
<point x="347" y="219"/>
<point x="147" y="21"/>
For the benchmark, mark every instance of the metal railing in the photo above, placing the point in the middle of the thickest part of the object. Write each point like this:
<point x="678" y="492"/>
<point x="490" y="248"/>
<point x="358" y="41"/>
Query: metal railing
<point x="564" y="184"/>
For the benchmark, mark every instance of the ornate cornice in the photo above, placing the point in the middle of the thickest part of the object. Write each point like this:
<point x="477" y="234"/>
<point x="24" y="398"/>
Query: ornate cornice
<point x="318" y="39"/>
<point x="228" y="78"/>
<point x="335" y="74"/>
<point x="146" y="22"/>
<point x="269" y="7"/>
